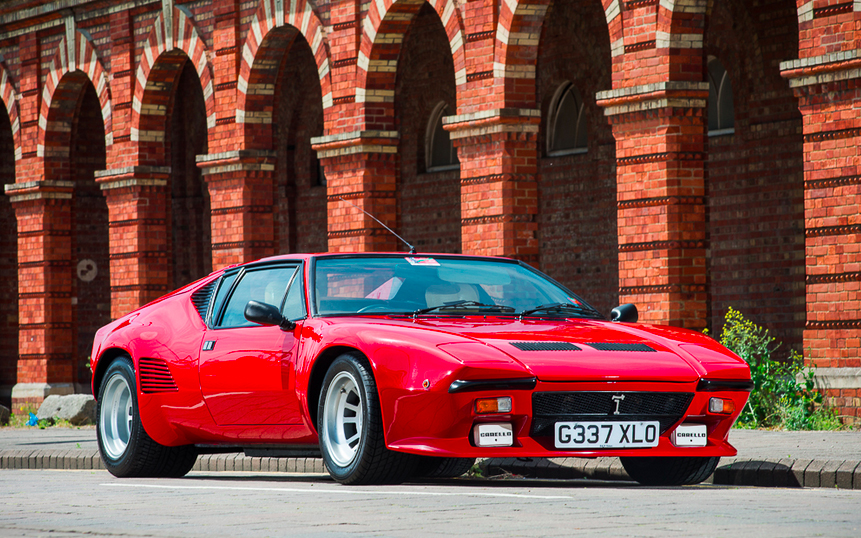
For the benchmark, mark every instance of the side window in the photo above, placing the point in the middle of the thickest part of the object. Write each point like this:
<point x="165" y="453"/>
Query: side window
<point x="265" y="285"/>
<point x="294" y="304"/>
<point x="221" y="294"/>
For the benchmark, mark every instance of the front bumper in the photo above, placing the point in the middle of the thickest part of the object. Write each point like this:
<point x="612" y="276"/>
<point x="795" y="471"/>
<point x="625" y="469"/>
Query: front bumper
<point x="442" y="425"/>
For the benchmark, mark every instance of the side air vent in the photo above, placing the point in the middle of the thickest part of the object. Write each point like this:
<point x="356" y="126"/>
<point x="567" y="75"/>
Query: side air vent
<point x="201" y="298"/>
<point x="605" y="346"/>
<point x="156" y="376"/>
<point x="545" y="346"/>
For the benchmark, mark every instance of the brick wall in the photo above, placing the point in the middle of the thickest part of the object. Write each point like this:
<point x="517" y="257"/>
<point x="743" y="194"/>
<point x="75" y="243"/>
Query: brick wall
<point x="755" y="175"/>
<point x="216" y="112"/>
<point x="190" y="208"/>
<point x="577" y="192"/>
<point x="300" y="210"/>
<point x="428" y="201"/>
<point x="8" y="266"/>
<point x="91" y="292"/>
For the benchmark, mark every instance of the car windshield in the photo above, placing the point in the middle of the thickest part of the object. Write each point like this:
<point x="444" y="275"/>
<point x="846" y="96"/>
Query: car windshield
<point x="438" y="286"/>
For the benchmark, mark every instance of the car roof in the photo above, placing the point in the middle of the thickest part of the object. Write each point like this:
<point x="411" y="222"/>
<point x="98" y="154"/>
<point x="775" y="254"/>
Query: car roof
<point x="308" y="256"/>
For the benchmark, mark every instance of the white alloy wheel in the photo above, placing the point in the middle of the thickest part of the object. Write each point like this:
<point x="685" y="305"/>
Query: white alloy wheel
<point x="117" y="414"/>
<point x="342" y="418"/>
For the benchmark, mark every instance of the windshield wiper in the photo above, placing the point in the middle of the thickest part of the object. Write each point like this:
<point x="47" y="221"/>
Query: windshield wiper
<point x="457" y="305"/>
<point x="559" y="308"/>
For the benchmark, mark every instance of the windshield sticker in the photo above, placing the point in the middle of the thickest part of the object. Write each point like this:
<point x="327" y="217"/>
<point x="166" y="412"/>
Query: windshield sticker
<point x="423" y="261"/>
<point x="575" y="301"/>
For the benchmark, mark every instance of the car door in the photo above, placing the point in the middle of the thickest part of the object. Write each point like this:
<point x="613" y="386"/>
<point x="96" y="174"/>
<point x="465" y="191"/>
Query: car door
<point x="247" y="370"/>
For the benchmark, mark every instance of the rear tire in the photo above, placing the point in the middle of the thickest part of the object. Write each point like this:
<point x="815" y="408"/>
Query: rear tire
<point x="350" y="427"/>
<point x="672" y="471"/>
<point x="434" y="467"/>
<point x="125" y="447"/>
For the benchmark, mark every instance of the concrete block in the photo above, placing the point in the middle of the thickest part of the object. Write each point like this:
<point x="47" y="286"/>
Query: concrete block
<point x="843" y="476"/>
<point x="797" y="470"/>
<point x="748" y="474"/>
<point x="78" y="409"/>
<point x="828" y="475"/>
<point x="812" y="473"/>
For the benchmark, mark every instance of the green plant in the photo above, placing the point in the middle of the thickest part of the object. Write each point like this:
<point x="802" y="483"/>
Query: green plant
<point x="784" y="393"/>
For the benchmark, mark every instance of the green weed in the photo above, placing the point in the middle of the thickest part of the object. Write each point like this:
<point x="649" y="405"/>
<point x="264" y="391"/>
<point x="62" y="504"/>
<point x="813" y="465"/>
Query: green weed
<point x="784" y="393"/>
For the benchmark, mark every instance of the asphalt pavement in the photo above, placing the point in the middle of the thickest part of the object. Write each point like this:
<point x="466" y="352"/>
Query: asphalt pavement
<point x="765" y="458"/>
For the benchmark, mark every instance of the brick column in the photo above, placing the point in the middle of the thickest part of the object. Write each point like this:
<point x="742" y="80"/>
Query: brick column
<point x="498" y="151"/>
<point x="140" y="239"/>
<point x="829" y="89"/>
<point x="43" y="209"/>
<point x="361" y="167"/>
<point x="241" y="196"/>
<point x="660" y="150"/>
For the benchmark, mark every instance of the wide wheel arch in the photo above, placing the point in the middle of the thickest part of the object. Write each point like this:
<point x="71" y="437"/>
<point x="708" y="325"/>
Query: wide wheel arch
<point x="318" y="374"/>
<point x="107" y="357"/>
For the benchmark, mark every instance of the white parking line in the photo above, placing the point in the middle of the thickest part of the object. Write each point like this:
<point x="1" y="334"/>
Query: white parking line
<point x="345" y="491"/>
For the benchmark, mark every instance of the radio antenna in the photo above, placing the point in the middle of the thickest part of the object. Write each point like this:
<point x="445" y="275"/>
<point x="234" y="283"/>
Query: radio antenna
<point x="412" y="248"/>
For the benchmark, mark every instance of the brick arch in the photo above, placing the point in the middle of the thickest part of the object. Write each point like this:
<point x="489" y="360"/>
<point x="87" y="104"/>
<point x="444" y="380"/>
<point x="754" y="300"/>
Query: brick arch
<point x="160" y="44"/>
<point x="268" y="34"/>
<point x="10" y="101"/>
<point x="69" y="58"/>
<point x="383" y="30"/>
<point x="679" y="29"/>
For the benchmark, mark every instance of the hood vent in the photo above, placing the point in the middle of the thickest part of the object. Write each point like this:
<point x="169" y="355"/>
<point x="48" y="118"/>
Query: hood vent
<point x="545" y="346"/>
<point x="606" y="346"/>
<point x="156" y="376"/>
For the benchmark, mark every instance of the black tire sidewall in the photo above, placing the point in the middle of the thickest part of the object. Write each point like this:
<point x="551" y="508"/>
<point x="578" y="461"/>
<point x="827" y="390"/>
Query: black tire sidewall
<point x="124" y="465"/>
<point x="350" y="364"/>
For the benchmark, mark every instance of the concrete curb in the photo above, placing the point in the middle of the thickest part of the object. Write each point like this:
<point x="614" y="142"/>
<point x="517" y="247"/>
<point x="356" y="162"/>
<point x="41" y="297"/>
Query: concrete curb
<point x="733" y="471"/>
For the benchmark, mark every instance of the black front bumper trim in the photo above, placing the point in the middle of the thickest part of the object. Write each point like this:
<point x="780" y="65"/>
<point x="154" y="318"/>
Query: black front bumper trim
<point x="715" y="385"/>
<point x="493" y="384"/>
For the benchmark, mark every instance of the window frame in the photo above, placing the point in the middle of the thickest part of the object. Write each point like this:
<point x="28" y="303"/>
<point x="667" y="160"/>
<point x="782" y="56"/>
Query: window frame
<point x="214" y="317"/>
<point x="440" y="110"/>
<point x="725" y="84"/>
<point x="553" y="118"/>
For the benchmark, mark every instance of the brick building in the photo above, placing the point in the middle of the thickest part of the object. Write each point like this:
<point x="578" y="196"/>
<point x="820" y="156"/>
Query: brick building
<point x="683" y="155"/>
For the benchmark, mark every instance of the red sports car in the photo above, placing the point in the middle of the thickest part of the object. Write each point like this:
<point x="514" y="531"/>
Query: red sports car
<point x="399" y="366"/>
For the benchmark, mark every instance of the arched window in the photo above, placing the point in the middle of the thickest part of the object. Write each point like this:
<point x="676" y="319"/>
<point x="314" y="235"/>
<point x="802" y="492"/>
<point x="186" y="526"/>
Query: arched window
<point x="721" y="111"/>
<point x="567" y="126"/>
<point x="439" y="151"/>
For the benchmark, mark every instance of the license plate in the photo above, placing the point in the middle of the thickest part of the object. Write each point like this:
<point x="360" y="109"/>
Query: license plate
<point x="607" y="434"/>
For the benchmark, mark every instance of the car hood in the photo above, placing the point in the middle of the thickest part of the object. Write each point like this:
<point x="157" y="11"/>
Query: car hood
<point x="591" y="350"/>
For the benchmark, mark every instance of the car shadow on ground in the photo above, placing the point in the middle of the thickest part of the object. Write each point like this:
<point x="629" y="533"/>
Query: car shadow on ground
<point x="461" y="482"/>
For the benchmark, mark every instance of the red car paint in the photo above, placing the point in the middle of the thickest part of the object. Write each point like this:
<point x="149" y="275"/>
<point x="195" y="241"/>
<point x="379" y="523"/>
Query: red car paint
<point x="258" y="385"/>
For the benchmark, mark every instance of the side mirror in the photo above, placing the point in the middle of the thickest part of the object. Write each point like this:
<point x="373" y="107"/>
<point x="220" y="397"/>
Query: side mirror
<point x="626" y="313"/>
<point x="266" y="314"/>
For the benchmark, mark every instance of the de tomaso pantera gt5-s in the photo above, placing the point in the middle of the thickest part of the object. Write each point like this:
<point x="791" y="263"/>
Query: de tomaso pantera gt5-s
<point x="396" y="366"/>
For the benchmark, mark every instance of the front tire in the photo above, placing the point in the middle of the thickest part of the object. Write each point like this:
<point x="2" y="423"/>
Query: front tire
<point x="351" y="427"/>
<point x="125" y="447"/>
<point x="670" y="471"/>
